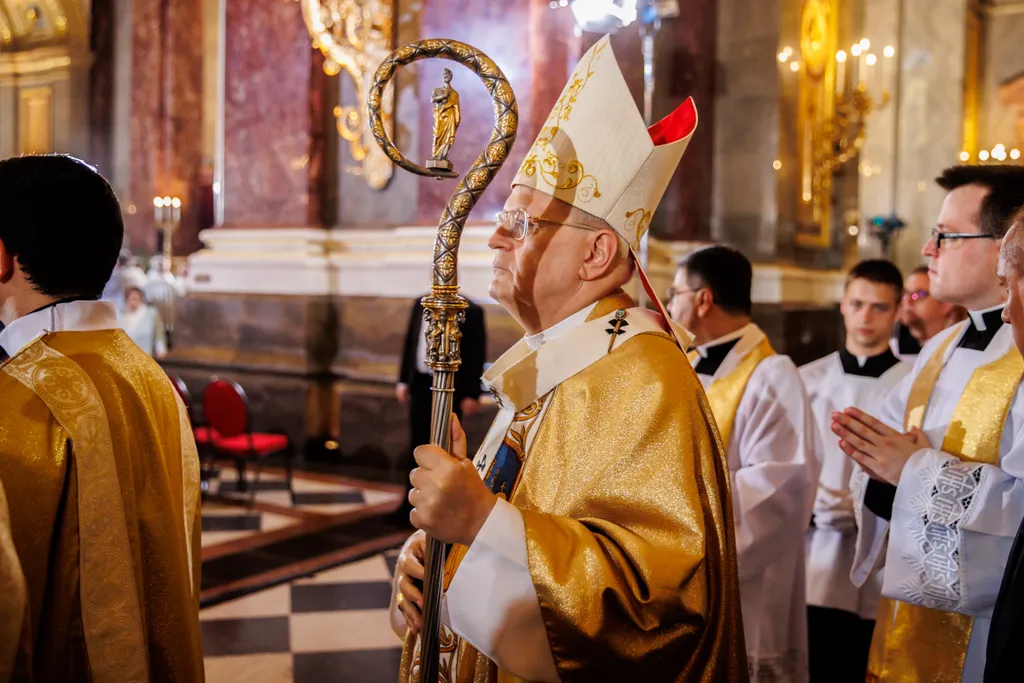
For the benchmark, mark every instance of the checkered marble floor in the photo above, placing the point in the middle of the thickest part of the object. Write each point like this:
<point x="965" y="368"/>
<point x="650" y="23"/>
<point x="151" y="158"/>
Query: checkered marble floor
<point x="332" y="626"/>
<point x="227" y="517"/>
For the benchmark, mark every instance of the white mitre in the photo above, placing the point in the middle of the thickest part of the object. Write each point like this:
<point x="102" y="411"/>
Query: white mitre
<point x="596" y="153"/>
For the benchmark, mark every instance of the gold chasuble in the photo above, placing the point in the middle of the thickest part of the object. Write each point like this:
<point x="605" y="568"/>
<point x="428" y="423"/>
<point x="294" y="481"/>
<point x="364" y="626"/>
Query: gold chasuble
<point x="913" y="644"/>
<point x="612" y="459"/>
<point x="102" y="482"/>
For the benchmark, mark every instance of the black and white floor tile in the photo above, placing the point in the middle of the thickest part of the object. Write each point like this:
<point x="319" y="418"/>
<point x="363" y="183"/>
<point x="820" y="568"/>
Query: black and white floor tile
<point x="332" y="626"/>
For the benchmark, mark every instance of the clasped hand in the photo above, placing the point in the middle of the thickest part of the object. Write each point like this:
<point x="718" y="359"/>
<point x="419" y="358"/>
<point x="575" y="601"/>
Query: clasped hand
<point x="879" y="449"/>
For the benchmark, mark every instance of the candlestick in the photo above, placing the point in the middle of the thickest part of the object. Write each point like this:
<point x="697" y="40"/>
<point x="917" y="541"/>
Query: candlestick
<point x="870" y="60"/>
<point x="858" y="52"/>
<point x="841" y="73"/>
<point x="890" y="68"/>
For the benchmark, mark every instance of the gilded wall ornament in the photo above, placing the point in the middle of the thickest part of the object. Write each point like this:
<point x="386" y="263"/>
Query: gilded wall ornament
<point x="355" y="36"/>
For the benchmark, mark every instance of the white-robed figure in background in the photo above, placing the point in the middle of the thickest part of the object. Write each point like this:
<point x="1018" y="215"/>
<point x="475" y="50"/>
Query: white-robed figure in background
<point x="841" y="615"/>
<point x="946" y="454"/>
<point x="143" y="323"/>
<point x="766" y="424"/>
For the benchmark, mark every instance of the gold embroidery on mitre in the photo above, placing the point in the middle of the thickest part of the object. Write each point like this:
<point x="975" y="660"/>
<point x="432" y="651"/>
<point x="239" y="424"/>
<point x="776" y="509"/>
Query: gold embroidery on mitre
<point x="564" y="176"/>
<point x="637" y="222"/>
<point x="557" y="174"/>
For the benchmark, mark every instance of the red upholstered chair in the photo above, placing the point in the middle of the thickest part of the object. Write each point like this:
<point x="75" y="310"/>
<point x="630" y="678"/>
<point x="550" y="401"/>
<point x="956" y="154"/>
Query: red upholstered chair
<point x="207" y="469"/>
<point x="226" y="409"/>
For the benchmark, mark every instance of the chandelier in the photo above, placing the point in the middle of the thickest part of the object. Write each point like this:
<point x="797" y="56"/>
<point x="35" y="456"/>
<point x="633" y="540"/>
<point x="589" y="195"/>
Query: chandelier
<point x="356" y="36"/>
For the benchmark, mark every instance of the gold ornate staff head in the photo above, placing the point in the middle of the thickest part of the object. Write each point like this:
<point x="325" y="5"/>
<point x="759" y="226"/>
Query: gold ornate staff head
<point x="476" y="180"/>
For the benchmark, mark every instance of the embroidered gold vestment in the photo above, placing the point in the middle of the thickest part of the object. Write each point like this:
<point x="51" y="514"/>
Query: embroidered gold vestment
<point x="102" y="480"/>
<point x="623" y="486"/>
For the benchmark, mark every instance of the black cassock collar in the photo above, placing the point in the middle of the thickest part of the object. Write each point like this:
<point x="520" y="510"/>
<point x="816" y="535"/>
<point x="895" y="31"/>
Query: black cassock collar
<point x="714" y="356"/>
<point x="874" y="366"/>
<point x="977" y="338"/>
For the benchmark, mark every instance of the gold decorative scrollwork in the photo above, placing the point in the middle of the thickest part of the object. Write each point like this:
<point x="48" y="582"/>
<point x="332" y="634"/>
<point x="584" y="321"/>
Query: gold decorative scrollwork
<point x="560" y="175"/>
<point x="637" y="221"/>
<point x="355" y="36"/>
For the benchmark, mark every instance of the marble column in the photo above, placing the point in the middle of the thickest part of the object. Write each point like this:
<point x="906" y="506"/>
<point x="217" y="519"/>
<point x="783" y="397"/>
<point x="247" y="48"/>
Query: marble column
<point x="151" y="126"/>
<point x="748" y="135"/>
<point x="685" y="67"/>
<point x="273" y="121"/>
<point x="932" y="51"/>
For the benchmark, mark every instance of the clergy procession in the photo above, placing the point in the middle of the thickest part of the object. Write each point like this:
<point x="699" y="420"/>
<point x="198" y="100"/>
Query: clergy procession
<point x="625" y="462"/>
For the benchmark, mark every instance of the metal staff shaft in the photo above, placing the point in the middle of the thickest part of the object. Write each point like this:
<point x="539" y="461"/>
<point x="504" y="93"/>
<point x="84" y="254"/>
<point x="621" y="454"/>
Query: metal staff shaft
<point x="444" y="309"/>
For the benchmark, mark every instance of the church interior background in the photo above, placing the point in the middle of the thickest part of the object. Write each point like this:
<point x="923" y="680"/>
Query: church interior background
<point x="297" y="249"/>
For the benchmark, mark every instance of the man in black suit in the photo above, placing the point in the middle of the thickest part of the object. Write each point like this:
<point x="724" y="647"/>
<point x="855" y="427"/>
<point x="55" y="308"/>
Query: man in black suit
<point x="414" y="379"/>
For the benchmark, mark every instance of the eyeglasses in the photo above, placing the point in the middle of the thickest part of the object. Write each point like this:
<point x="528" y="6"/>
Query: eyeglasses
<point x="672" y="292"/>
<point x="517" y="222"/>
<point x="916" y="295"/>
<point x="954" y="237"/>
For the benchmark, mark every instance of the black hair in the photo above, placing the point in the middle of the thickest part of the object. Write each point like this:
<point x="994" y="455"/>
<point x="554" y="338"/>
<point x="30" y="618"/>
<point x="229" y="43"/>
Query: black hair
<point x="726" y="272"/>
<point x="1005" y="186"/>
<point x="61" y="221"/>
<point x="880" y="272"/>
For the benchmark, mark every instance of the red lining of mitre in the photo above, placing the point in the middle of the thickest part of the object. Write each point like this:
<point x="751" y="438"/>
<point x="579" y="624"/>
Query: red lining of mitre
<point x="676" y="126"/>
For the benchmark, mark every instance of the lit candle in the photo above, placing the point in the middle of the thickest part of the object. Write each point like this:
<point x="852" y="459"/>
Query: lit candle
<point x="870" y="61"/>
<point x="158" y="210"/>
<point x="176" y="211"/>
<point x="841" y="73"/>
<point x="889" y="69"/>
<point x="858" y="52"/>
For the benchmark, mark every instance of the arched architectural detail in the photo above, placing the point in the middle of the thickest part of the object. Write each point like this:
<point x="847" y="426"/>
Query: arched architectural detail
<point x="44" y="76"/>
<point x="31" y="24"/>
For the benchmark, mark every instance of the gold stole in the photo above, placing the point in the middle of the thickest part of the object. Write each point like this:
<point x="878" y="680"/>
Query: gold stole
<point x="725" y="394"/>
<point x="914" y="644"/>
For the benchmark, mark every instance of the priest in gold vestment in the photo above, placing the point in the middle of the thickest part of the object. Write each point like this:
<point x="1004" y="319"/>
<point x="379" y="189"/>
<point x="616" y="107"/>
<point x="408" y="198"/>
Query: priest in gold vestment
<point x="96" y="453"/>
<point x="593" y="529"/>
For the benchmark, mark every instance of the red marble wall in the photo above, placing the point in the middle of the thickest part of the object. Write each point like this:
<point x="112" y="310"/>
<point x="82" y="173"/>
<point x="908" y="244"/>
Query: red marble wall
<point x="687" y="60"/>
<point x="165" y="137"/>
<point x="181" y="115"/>
<point x="144" y="130"/>
<point x="270" y="177"/>
<point x="275" y="107"/>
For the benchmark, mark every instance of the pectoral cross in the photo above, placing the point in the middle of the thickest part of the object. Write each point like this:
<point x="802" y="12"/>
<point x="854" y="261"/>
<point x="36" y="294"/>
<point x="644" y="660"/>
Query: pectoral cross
<point x="617" y="323"/>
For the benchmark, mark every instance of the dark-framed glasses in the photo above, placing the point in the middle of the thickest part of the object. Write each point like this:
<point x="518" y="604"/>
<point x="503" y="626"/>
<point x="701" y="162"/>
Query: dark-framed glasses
<point x="954" y="238"/>
<point x="518" y="223"/>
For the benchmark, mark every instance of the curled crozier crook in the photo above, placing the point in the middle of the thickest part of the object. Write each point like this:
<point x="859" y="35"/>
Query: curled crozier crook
<point x="444" y="309"/>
